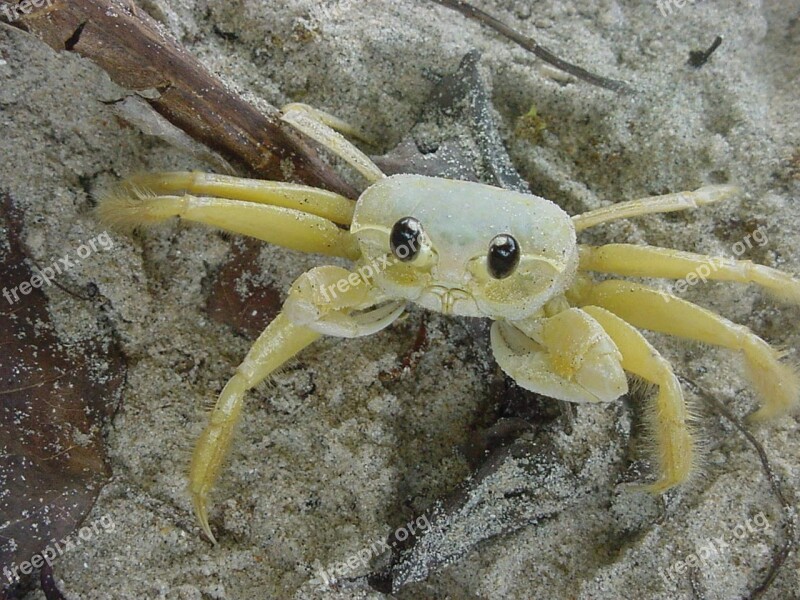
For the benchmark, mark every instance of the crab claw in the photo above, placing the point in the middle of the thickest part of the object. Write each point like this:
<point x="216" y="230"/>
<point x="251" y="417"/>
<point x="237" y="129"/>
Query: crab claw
<point x="212" y="445"/>
<point x="201" y="512"/>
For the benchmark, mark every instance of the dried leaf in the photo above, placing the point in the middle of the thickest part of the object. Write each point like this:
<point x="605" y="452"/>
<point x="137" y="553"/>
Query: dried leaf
<point x="54" y="402"/>
<point x="235" y="297"/>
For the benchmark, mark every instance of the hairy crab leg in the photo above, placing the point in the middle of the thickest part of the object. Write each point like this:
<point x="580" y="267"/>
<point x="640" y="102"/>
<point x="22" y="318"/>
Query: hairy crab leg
<point x="777" y="383"/>
<point x="127" y="207"/>
<point x="669" y="417"/>
<point x="315" y="201"/>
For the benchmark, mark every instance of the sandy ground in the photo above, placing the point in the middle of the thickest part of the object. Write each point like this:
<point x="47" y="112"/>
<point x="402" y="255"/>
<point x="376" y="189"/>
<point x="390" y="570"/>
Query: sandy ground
<point x="329" y="460"/>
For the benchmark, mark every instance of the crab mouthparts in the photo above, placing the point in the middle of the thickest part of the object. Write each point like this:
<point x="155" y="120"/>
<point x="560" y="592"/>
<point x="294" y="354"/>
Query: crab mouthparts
<point x="449" y="296"/>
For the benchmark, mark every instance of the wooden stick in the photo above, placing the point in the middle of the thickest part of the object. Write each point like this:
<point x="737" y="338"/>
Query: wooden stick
<point x="137" y="54"/>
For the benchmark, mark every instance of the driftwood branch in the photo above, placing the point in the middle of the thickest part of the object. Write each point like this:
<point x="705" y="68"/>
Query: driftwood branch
<point x="139" y="55"/>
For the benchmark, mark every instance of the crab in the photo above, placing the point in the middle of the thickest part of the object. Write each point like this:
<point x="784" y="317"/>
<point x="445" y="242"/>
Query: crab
<point x="471" y="250"/>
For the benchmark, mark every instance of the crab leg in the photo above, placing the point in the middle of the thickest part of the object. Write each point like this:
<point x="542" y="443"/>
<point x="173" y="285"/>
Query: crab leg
<point x="130" y="205"/>
<point x="652" y="261"/>
<point x="669" y="417"/>
<point x="777" y="383"/>
<point x="654" y="204"/>
<point x="321" y="127"/>
<point x="312" y="309"/>
<point x="328" y="119"/>
<point x="580" y="355"/>
<point x="280" y="341"/>
<point x="322" y="203"/>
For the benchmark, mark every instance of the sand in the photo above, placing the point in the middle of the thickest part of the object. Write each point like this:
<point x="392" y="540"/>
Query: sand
<point x="329" y="460"/>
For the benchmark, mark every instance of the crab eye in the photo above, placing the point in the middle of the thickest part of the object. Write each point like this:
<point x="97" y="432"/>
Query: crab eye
<point x="405" y="239"/>
<point x="503" y="256"/>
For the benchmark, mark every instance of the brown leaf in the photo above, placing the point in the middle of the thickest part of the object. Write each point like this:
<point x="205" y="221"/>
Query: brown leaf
<point x="54" y="401"/>
<point x="236" y="299"/>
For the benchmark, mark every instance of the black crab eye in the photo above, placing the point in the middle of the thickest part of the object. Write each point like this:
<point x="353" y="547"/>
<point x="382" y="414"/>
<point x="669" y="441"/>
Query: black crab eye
<point x="503" y="256"/>
<point x="405" y="239"/>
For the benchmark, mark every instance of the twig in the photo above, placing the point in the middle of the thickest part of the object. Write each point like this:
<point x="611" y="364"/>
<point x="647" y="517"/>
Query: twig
<point x="697" y="58"/>
<point x="531" y="45"/>
<point x="789" y="522"/>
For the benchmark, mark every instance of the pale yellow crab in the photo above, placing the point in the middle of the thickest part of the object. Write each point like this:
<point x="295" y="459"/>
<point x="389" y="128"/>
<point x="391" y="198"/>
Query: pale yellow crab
<point x="472" y="250"/>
